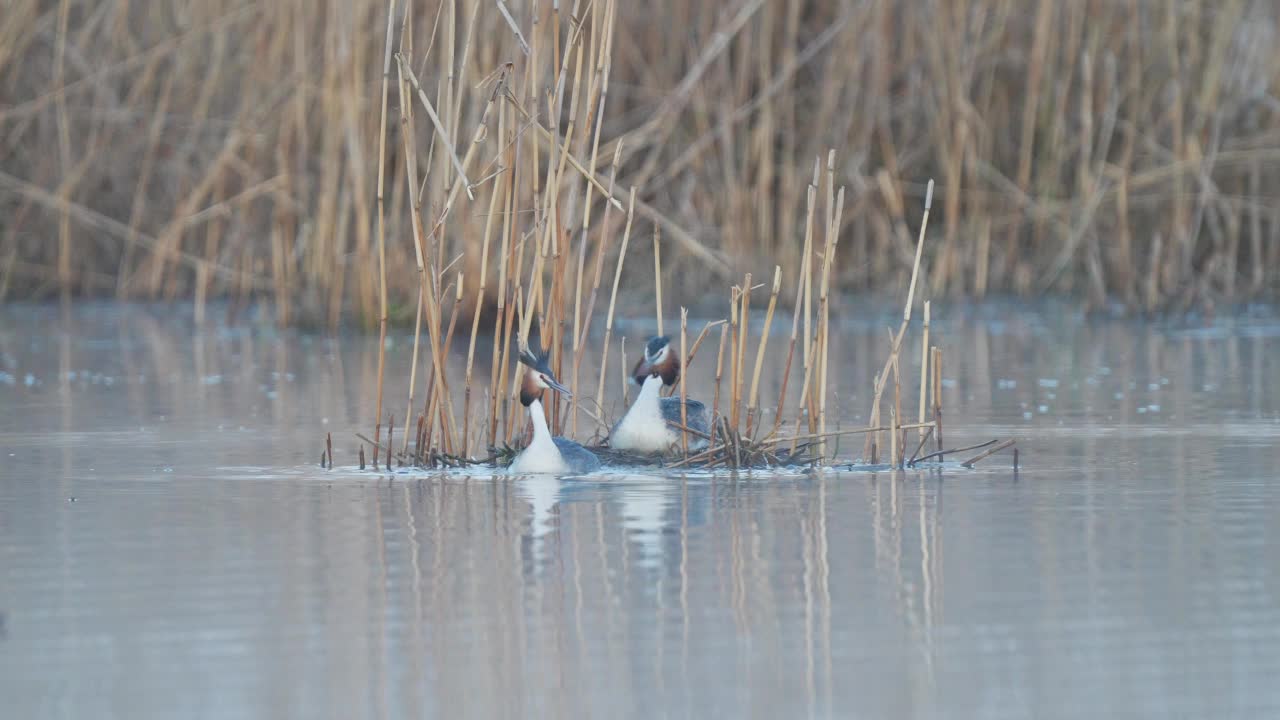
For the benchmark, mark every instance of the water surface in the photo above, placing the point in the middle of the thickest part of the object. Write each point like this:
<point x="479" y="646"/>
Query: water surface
<point x="169" y="547"/>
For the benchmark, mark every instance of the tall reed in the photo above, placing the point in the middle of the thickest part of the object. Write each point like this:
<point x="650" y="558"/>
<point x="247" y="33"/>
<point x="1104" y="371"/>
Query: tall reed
<point x="1108" y="151"/>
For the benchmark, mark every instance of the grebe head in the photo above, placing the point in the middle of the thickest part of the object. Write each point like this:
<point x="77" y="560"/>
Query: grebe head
<point x="538" y="377"/>
<point x="659" y="361"/>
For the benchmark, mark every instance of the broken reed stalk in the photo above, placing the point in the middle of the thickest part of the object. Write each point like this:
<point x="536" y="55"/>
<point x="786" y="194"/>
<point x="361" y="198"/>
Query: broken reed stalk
<point x="622" y="370"/>
<point x="328" y="446"/>
<point x="391" y="430"/>
<point x="924" y="370"/>
<point x="795" y="325"/>
<point x="697" y="343"/>
<point x="937" y="395"/>
<point x="657" y="275"/>
<point x="753" y="400"/>
<point x="734" y="307"/>
<point x="925" y="434"/>
<point x="828" y="260"/>
<point x="740" y="351"/>
<point x="803" y="403"/>
<point x="420" y="435"/>
<point x="448" y="344"/>
<point x="893" y="437"/>
<point x="897" y="416"/>
<point x="806" y="262"/>
<point x="613" y="299"/>
<point x="896" y="340"/>
<point x="381" y="233"/>
<point x="684" y="397"/>
<point x="715" y="403"/>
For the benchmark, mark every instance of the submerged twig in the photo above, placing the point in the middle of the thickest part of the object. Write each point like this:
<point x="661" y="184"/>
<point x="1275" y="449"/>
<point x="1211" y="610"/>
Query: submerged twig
<point x="943" y="453"/>
<point x="987" y="453"/>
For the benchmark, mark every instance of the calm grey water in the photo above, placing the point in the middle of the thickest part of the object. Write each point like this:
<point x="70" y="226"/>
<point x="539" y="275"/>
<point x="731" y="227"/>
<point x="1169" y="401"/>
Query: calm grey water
<point x="169" y="548"/>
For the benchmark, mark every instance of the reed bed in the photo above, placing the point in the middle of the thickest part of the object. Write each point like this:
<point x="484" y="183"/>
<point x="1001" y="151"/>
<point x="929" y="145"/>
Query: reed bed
<point x="225" y="149"/>
<point x="542" y="260"/>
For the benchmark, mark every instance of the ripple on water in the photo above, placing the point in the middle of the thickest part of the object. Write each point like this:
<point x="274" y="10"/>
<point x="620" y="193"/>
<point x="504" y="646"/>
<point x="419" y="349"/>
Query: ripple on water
<point x="1127" y="570"/>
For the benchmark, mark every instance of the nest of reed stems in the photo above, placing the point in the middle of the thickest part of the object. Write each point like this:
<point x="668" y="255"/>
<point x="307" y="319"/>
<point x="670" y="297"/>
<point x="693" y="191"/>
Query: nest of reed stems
<point x="546" y="264"/>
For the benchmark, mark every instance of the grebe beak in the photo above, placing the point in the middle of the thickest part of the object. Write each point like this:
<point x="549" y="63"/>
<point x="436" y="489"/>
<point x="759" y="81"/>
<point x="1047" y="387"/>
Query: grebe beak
<point x="555" y="385"/>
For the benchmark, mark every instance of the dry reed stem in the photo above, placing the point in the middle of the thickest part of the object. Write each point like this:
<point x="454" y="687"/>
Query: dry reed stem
<point x="445" y="139"/>
<point x="622" y="371"/>
<point x="828" y="261"/>
<point x="697" y="343"/>
<point x="686" y="239"/>
<point x="448" y="447"/>
<point x="495" y="193"/>
<point x="854" y="431"/>
<point x="950" y="451"/>
<point x="657" y="275"/>
<point x="806" y="263"/>
<point x="613" y="299"/>
<point x="735" y="309"/>
<point x="925" y="434"/>
<point x="740" y="354"/>
<point x="413" y="365"/>
<point x="684" y="397"/>
<point x="937" y="395"/>
<point x="897" y="417"/>
<point x="924" y="367"/>
<point x="312" y="236"/>
<point x="715" y="403"/>
<point x="753" y="400"/>
<point x="896" y="339"/>
<point x="893" y="437"/>
<point x="433" y="311"/>
<point x="988" y="453"/>
<point x="802" y="405"/>
<point x="428" y="285"/>
<point x="601" y="251"/>
<point x="391" y="429"/>
<point x="382" y="247"/>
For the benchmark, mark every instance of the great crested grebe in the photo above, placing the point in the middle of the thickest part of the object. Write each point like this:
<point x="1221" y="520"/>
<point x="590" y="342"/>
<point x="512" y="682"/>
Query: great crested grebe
<point x="644" y="428"/>
<point x="546" y="454"/>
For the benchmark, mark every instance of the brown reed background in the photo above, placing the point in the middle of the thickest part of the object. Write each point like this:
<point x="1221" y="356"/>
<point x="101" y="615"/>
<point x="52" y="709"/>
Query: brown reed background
<point x="222" y="148"/>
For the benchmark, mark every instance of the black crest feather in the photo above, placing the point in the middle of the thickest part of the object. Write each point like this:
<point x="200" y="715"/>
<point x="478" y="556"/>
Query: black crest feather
<point x="532" y="354"/>
<point x="655" y="345"/>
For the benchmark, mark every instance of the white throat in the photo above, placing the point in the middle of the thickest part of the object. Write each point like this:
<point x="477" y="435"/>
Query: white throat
<point x="542" y="455"/>
<point x="541" y="433"/>
<point x="643" y="427"/>
<point x="650" y="393"/>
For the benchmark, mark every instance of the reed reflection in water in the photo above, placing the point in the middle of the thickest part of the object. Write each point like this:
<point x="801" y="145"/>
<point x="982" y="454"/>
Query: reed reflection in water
<point x="168" y="546"/>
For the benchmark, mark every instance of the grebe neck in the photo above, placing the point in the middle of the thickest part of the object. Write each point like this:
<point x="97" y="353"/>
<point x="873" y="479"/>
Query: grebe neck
<point x="541" y="433"/>
<point x="650" y="392"/>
